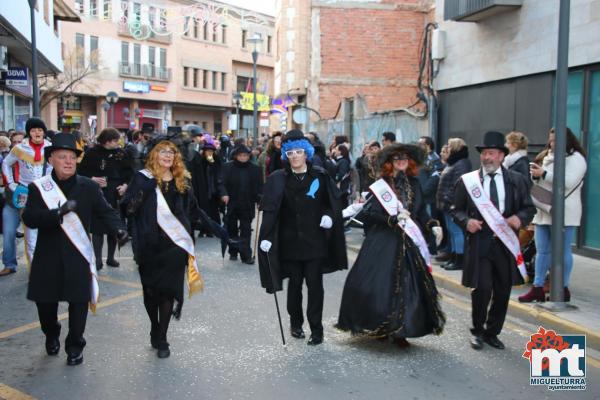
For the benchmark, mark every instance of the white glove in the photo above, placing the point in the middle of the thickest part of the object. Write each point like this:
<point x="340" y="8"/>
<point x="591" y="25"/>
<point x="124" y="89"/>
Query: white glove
<point x="352" y="210"/>
<point x="13" y="186"/>
<point x="403" y="214"/>
<point x="326" y="222"/>
<point x="438" y="233"/>
<point x="364" y="195"/>
<point x="265" y="245"/>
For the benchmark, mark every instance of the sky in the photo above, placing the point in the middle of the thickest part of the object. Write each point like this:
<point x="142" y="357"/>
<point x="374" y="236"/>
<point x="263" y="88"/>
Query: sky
<point x="263" y="6"/>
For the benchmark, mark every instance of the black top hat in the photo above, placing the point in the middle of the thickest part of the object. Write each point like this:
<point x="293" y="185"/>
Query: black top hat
<point x="64" y="141"/>
<point x="493" y="140"/>
<point x="294" y="134"/>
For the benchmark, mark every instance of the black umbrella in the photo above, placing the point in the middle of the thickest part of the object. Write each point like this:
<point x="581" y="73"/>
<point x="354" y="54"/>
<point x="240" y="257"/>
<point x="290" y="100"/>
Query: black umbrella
<point x="219" y="231"/>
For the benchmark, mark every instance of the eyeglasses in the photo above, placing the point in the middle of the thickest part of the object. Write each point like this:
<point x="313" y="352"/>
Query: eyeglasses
<point x="399" y="158"/>
<point x="296" y="152"/>
<point x="166" y="152"/>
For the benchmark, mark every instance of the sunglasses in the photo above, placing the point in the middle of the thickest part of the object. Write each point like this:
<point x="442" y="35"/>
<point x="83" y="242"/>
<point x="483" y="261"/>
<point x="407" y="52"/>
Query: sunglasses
<point x="297" y="152"/>
<point x="399" y="158"/>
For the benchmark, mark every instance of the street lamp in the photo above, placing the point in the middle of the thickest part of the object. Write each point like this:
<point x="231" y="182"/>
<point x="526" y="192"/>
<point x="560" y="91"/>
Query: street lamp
<point x="256" y="39"/>
<point x="236" y="99"/>
<point x="111" y="99"/>
<point x="34" y="60"/>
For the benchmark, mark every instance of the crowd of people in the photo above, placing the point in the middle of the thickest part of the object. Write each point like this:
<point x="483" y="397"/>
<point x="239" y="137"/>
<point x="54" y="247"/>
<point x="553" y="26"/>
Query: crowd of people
<point x="413" y="205"/>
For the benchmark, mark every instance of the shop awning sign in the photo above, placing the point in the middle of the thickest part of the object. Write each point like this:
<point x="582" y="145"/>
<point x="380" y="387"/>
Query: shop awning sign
<point x="15" y="76"/>
<point x="136" y="87"/>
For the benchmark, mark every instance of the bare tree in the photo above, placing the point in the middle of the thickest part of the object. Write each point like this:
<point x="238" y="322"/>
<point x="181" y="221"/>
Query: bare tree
<point x="73" y="79"/>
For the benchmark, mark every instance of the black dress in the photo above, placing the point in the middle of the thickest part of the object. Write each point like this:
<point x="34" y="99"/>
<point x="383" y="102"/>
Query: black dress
<point x="389" y="291"/>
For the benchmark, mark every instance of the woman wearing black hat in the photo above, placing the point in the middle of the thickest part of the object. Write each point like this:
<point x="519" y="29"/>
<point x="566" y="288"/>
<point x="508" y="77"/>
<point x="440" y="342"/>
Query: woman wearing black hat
<point x="407" y="304"/>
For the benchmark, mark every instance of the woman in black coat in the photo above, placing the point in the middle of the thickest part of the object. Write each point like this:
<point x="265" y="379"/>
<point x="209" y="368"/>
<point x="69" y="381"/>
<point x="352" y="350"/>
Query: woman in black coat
<point x="389" y="291"/>
<point x="111" y="167"/>
<point x="162" y="264"/>
<point x="342" y="172"/>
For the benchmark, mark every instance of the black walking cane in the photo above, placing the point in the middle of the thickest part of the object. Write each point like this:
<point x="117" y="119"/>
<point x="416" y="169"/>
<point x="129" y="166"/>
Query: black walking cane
<point x="275" y="295"/>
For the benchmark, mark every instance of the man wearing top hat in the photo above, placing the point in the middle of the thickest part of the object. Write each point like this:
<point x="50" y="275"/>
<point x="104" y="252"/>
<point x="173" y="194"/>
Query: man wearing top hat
<point x="492" y="257"/>
<point x="243" y="185"/>
<point x="60" y="270"/>
<point x="302" y="234"/>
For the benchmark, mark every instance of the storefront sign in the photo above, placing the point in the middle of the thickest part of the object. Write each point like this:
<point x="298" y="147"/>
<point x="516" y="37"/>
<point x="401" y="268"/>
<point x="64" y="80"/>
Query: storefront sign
<point x="136" y="87"/>
<point x="262" y="100"/>
<point x="15" y="76"/>
<point x="157" y="88"/>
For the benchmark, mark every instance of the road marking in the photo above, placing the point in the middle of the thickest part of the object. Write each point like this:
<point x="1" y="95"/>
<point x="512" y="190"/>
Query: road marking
<point x="513" y="327"/>
<point x="8" y="393"/>
<point x="120" y="282"/>
<point x="63" y="316"/>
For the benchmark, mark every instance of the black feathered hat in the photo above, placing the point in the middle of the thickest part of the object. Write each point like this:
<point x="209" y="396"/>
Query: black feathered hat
<point x="412" y="151"/>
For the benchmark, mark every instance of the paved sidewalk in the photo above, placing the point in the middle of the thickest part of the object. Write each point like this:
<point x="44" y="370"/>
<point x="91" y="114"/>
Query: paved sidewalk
<point x="581" y="316"/>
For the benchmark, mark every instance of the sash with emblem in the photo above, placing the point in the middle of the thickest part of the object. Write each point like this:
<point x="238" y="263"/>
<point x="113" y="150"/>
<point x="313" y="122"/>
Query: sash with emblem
<point x="494" y="219"/>
<point x="392" y="205"/>
<point x="179" y="235"/>
<point x="73" y="228"/>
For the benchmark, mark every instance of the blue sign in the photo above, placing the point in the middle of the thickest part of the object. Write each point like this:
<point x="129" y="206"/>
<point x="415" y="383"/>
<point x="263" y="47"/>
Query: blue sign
<point x="136" y="87"/>
<point x="15" y="76"/>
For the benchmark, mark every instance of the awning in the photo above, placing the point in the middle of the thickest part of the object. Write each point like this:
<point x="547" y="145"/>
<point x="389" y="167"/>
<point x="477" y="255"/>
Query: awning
<point x="63" y="12"/>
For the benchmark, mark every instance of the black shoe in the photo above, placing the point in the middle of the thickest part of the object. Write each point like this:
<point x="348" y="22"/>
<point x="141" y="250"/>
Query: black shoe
<point x="477" y="342"/>
<point x="315" y="340"/>
<point x="153" y="340"/>
<point x="249" y="261"/>
<point x="112" y="263"/>
<point x="19" y="235"/>
<point x="75" y="358"/>
<point x="99" y="266"/>
<point x="163" y="350"/>
<point x="443" y="257"/>
<point x="52" y="345"/>
<point x="449" y="264"/>
<point x="298" y="333"/>
<point x="233" y="257"/>
<point x="494" y="342"/>
<point x="453" y="267"/>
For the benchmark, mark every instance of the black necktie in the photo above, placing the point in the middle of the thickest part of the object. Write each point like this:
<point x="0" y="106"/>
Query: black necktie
<point x="494" y="191"/>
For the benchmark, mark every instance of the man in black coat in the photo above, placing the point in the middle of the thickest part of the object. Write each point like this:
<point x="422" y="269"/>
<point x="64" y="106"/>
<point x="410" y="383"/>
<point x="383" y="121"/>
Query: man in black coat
<point x="302" y="234"/>
<point x="59" y="271"/>
<point x="490" y="268"/>
<point x="429" y="178"/>
<point x="243" y="185"/>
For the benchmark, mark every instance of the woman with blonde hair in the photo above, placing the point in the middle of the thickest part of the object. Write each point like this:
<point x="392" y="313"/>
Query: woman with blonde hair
<point x="161" y="202"/>
<point x="517" y="159"/>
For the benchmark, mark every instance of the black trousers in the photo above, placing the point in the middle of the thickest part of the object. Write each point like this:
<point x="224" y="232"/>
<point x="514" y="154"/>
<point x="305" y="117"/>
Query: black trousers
<point x="493" y="285"/>
<point x="98" y="242"/>
<point x="311" y="271"/>
<point x="239" y="225"/>
<point x="77" y="319"/>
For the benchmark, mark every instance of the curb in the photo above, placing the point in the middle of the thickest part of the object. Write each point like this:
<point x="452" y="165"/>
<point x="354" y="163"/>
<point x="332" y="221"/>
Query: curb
<point x="528" y="313"/>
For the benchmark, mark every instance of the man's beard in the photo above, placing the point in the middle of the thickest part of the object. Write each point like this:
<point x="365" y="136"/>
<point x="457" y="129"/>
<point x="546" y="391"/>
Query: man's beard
<point x="489" y="167"/>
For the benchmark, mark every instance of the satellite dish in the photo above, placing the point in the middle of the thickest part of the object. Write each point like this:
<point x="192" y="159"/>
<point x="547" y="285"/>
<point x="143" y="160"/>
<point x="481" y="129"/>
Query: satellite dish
<point x="300" y="116"/>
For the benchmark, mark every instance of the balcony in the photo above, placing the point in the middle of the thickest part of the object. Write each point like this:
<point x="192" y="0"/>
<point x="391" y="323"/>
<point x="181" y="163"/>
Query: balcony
<point x="146" y="71"/>
<point x="477" y="10"/>
<point x="143" y="32"/>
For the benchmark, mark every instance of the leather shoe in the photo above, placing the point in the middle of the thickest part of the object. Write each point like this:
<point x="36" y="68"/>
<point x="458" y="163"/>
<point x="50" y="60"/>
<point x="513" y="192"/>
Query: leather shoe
<point x="477" y="342"/>
<point x="112" y="263"/>
<point x="249" y="261"/>
<point x="298" y="333"/>
<point x="494" y="342"/>
<point x="453" y="267"/>
<point x="52" y="346"/>
<point x="75" y="358"/>
<point x="233" y="257"/>
<point x="163" y="350"/>
<point x="315" y="340"/>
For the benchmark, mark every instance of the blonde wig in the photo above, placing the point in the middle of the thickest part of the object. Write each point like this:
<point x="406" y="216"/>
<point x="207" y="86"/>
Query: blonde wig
<point x="180" y="173"/>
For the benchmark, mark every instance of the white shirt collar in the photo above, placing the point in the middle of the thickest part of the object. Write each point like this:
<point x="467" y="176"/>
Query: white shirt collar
<point x="498" y="172"/>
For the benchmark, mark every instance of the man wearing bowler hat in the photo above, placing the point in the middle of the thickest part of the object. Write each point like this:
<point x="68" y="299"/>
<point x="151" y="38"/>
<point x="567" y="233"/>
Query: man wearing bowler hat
<point x="61" y="206"/>
<point x="491" y="204"/>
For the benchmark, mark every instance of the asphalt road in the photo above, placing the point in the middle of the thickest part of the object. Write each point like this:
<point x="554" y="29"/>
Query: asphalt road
<point x="227" y="346"/>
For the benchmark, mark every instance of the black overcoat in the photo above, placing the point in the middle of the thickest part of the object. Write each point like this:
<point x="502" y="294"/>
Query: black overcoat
<point x="58" y="271"/>
<point x="517" y="202"/>
<point x="273" y="193"/>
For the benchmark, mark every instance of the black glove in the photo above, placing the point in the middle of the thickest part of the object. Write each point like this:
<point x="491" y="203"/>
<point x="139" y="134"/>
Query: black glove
<point x="122" y="237"/>
<point x="392" y="220"/>
<point x="70" y="205"/>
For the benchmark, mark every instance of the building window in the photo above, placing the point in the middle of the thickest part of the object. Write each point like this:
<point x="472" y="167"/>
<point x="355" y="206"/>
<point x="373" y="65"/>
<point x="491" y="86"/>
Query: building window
<point x="125" y="10"/>
<point x="137" y="12"/>
<point x="195" y="28"/>
<point x="185" y="77"/>
<point x="152" y="61"/>
<point x="125" y="53"/>
<point x="94" y="53"/>
<point x="196" y="76"/>
<point x="223" y="34"/>
<point x="223" y="80"/>
<point x="177" y="122"/>
<point x="162" y="19"/>
<point x="93" y="8"/>
<point x="186" y="26"/>
<point x="80" y="49"/>
<point x="79" y="6"/>
<point x="214" y="34"/>
<point x="244" y="84"/>
<point x="205" y="32"/>
<point x="214" y="80"/>
<point x="204" y="79"/>
<point x="151" y="16"/>
<point x="269" y="44"/>
<point x="137" y="59"/>
<point x="71" y="102"/>
<point x="244" y="34"/>
<point x="163" y="58"/>
<point x="204" y="125"/>
<point x="106" y="10"/>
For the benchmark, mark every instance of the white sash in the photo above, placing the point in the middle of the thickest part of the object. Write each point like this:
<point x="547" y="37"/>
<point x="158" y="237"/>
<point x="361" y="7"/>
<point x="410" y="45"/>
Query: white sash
<point x="494" y="219"/>
<point x="73" y="228"/>
<point x="179" y="235"/>
<point x="392" y="205"/>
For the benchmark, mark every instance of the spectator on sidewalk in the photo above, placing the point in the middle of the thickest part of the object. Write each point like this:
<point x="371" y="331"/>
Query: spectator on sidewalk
<point x="388" y="138"/>
<point x="343" y="171"/>
<point x="429" y="178"/>
<point x="458" y="165"/>
<point x="273" y="162"/>
<point x="542" y="172"/>
<point x="517" y="160"/>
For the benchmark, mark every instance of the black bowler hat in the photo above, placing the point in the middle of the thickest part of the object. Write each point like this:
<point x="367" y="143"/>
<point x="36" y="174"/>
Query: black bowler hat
<point x="294" y="134"/>
<point x="493" y="140"/>
<point x="64" y="141"/>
